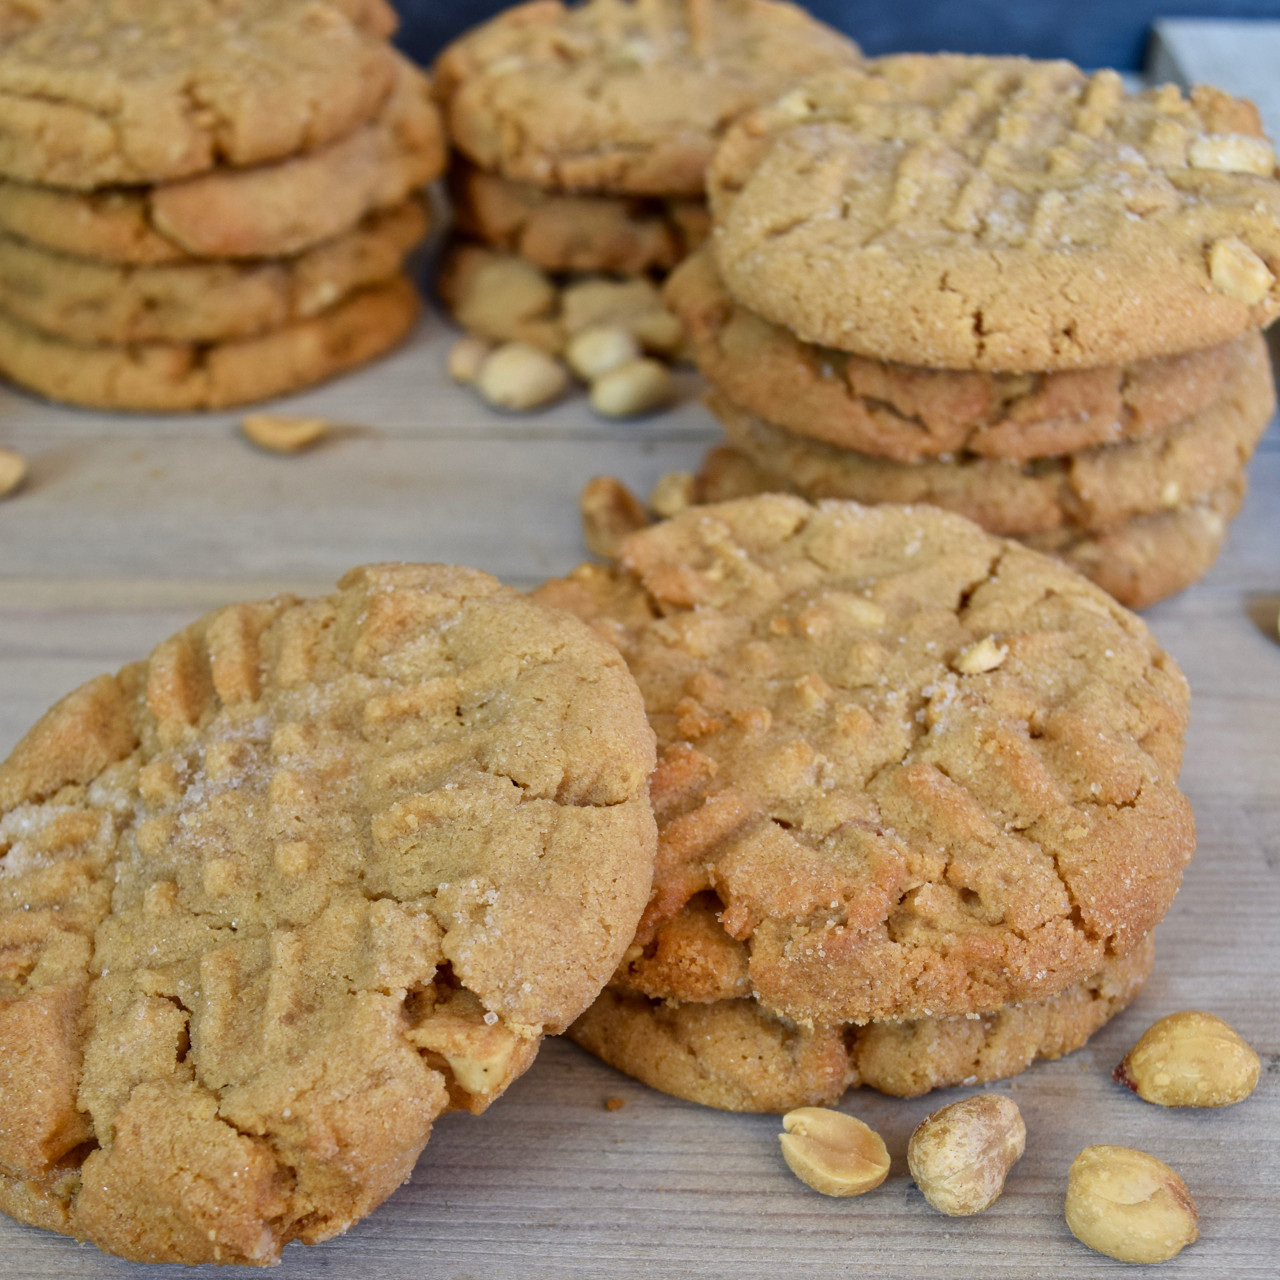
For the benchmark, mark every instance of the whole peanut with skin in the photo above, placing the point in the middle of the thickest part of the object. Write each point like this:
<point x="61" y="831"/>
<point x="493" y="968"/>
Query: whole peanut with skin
<point x="1129" y="1205"/>
<point x="1190" y="1059"/>
<point x="961" y="1154"/>
<point x="832" y="1152"/>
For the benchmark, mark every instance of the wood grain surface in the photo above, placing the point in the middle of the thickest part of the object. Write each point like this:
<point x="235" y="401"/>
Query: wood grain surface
<point x="130" y="527"/>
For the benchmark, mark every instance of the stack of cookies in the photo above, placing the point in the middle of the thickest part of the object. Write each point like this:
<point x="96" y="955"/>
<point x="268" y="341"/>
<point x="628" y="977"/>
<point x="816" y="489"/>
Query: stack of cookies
<point x="203" y="205"/>
<point x="1003" y="287"/>
<point x="582" y="133"/>
<point x="916" y="800"/>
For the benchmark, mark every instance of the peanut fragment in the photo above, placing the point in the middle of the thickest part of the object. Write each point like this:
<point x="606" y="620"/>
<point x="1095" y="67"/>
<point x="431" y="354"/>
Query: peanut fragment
<point x="598" y="349"/>
<point x="1190" y="1059"/>
<point x="832" y="1152"/>
<point x="466" y="356"/>
<point x="674" y="491"/>
<point x="986" y="655"/>
<point x="13" y="471"/>
<point x="1232" y="153"/>
<point x="518" y="376"/>
<point x="1238" y="272"/>
<point x="632" y="389"/>
<point x="961" y="1154"/>
<point x="1129" y="1205"/>
<point x="279" y="434"/>
<point x="610" y="511"/>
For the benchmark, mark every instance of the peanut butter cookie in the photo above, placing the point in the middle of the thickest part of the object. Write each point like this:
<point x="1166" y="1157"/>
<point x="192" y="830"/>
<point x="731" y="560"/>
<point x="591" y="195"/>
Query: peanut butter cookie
<point x="174" y="377"/>
<point x="1139" y="562"/>
<point x="999" y="214"/>
<point x="622" y="96"/>
<point x="200" y="301"/>
<point x="277" y="897"/>
<point x="909" y="414"/>
<point x="733" y="1054"/>
<point x="94" y="94"/>
<point x="1091" y="489"/>
<point x="924" y="772"/>
<point x="265" y="211"/>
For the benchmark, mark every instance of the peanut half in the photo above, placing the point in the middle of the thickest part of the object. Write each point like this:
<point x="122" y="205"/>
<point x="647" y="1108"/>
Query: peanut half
<point x="1190" y="1059"/>
<point x="961" y="1154"/>
<point x="832" y="1152"/>
<point x="13" y="471"/>
<point x="1129" y="1205"/>
<point x="279" y="434"/>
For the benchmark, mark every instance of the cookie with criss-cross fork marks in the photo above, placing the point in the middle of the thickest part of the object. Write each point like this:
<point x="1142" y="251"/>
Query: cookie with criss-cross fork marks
<point x="999" y="214"/>
<point x="275" y="898"/>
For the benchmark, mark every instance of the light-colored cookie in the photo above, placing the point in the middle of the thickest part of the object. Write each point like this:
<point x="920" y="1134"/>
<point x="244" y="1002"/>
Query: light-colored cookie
<point x="560" y="232"/>
<point x="174" y="377"/>
<point x="926" y="772"/>
<point x="94" y="94"/>
<point x="87" y="301"/>
<point x="1140" y="562"/>
<point x="266" y="211"/>
<point x="908" y="414"/>
<point x="622" y="96"/>
<point x="1093" y="489"/>
<point x="1000" y="214"/>
<point x="274" y="899"/>
<point x="734" y="1055"/>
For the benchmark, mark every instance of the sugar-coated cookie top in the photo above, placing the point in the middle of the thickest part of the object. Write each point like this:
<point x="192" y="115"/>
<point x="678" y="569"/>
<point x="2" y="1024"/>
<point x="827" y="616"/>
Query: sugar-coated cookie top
<point x="136" y="91"/>
<point x="1000" y="214"/>
<point x="626" y="96"/>
<point x="924" y="771"/>
<point x="313" y="873"/>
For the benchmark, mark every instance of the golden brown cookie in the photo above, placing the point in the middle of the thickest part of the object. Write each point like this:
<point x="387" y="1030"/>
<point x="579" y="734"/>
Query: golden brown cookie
<point x="1140" y="562"/>
<point x="174" y="377"/>
<point x="734" y="1055"/>
<point x="925" y="772"/>
<point x="264" y="211"/>
<point x="561" y="232"/>
<point x="999" y="214"/>
<point x="1092" y="489"/>
<point x="622" y="96"/>
<point x="275" y="898"/>
<point x="909" y="414"/>
<point x="200" y="301"/>
<point x="94" y="94"/>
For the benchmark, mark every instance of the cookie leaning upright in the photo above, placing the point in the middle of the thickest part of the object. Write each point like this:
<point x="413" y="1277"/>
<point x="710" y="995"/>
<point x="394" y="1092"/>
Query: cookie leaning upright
<point x="1000" y="214"/>
<point x="196" y="199"/>
<point x="908" y="772"/>
<point x="312" y="874"/>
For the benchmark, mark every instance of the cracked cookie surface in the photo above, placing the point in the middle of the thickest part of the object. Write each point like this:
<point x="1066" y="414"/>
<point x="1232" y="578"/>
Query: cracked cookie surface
<point x="1091" y="489"/>
<point x="730" y="1053"/>
<point x="275" y="898"/>
<point x="999" y="214"/>
<point x="138" y="91"/>
<point x="1139" y="562"/>
<point x="910" y="414"/>
<point x="622" y="96"/>
<point x="925" y="772"/>
<point x="264" y="211"/>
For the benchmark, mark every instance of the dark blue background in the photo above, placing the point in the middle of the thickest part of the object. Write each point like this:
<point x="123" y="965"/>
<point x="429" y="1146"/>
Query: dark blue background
<point x="1094" y="33"/>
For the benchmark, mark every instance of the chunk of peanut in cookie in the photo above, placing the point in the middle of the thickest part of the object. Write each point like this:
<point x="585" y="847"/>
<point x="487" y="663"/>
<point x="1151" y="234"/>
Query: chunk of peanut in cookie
<point x="279" y="434"/>
<point x="832" y="1152"/>
<point x="13" y="471"/>
<point x="610" y="511"/>
<point x="1190" y="1059"/>
<point x="1129" y="1205"/>
<point x="1239" y="272"/>
<point x="960" y="1155"/>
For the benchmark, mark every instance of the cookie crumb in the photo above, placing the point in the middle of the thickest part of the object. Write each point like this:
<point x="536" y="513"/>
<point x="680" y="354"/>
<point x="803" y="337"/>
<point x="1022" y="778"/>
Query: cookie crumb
<point x="614" y="1104"/>
<point x="279" y="434"/>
